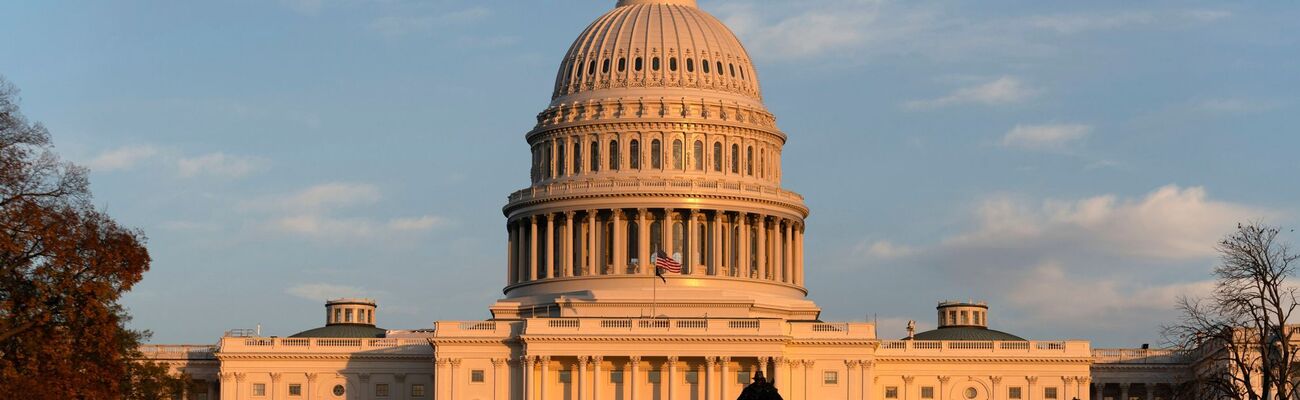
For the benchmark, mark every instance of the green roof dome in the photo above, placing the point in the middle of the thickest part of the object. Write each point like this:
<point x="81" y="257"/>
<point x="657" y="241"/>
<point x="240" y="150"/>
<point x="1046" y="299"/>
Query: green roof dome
<point x="343" y="331"/>
<point x="347" y="318"/>
<point x="966" y="333"/>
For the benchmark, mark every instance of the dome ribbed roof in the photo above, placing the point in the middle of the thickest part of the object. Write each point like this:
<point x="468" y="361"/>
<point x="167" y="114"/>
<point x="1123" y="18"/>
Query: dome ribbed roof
<point x="342" y="331"/>
<point x="656" y="45"/>
<point x="966" y="333"/>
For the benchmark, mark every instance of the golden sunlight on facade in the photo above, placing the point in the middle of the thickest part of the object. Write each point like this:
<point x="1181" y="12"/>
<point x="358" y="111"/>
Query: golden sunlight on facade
<point x="657" y="141"/>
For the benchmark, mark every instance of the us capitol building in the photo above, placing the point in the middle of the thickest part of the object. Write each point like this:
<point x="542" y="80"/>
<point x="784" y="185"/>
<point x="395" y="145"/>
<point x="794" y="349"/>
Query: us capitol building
<point x="657" y="139"/>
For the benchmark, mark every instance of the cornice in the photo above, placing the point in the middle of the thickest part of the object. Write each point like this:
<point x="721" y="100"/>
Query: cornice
<point x="799" y="208"/>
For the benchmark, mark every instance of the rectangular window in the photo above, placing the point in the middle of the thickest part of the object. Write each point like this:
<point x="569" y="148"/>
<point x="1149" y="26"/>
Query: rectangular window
<point x="259" y="389"/>
<point x="927" y="392"/>
<point x="566" y="376"/>
<point x="295" y="390"/>
<point x="476" y="376"/>
<point x="830" y="377"/>
<point x="417" y="390"/>
<point x="891" y="392"/>
<point x="381" y="390"/>
<point x="616" y="376"/>
<point x="653" y="376"/>
<point x="1049" y="393"/>
<point x="347" y="316"/>
<point x="692" y="377"/>
<point x="1014" y="393"/>
<point x="743" y="377"/>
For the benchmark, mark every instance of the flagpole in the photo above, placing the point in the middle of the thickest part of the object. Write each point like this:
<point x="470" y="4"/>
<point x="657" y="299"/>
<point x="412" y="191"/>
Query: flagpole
<point x="654" y="291"/>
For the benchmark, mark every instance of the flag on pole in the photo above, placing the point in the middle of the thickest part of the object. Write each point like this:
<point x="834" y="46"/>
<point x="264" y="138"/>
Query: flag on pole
<point x="665" y="263"/>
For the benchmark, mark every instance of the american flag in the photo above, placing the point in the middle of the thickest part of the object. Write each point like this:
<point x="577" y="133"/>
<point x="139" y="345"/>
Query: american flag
<point x="665" y="263"/>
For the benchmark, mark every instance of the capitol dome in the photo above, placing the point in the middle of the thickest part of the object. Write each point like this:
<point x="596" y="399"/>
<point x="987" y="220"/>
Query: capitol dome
<point x="655" y="142"/>
<point x="649" y="48"/>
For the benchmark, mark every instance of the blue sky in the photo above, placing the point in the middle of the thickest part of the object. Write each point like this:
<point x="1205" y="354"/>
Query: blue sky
<point x="1071" y="163"/>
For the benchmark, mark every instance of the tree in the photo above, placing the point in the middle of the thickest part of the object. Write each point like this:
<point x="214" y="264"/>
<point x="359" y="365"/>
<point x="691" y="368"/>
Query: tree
<point x="1241" y="335"/>
<point x="63" y="266"/>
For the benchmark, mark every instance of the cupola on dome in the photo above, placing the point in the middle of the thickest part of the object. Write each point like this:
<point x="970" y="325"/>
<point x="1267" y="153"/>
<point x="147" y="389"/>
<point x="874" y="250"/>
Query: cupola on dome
<point x="655" y="46"/>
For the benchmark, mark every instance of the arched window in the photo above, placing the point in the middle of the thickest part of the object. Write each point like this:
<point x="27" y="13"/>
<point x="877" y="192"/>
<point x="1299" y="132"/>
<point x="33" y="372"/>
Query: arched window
<point x="656" y="234"/>
<point x="717" y="156"/>
<point x="719" y="67"/>
<point x="697" y="155"/>
<point x="634" y="154"/>
<point x="705" y="64"/>
<point x="536" y="170"/>
<point x="677" y="154"/>
<point x="654" y="63"/>
<point x="591" y="68"/>
<point x="622" y="64"/>
<point x="560" y="160"/>
<point x="690" y="65"/>
<point x="733" y="68"/>
<point x="576" y="66"/>
<point x="604" y="66"/>
<point x="613" y="155"/>
<point x="735" y="159"/>
<point x="742" y="72"/>
<point x="672" y="64"/>
<point x="633" y="243"/>
<point x="656" y="155"/>
<point x="762" y="162"/>
<point x="637" y="64"/>
<point x="577" y="157"/>
<point x="749" y="161"/>
<point x="595" y="156"/>
<point x="546" y="161"/>
<point x="568" y="69"/>
<point x="679" y="235"/>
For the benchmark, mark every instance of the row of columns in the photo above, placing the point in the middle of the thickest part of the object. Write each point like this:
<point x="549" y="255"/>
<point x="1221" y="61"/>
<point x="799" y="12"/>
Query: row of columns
<point x="582" y="252"/>
<point x="556" y="158"/>
<point x="1126" y="392"/>
<point x="715" y="377"/>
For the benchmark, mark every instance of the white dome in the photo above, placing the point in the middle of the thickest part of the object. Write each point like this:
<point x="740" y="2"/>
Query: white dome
<point x="657" y="47"/>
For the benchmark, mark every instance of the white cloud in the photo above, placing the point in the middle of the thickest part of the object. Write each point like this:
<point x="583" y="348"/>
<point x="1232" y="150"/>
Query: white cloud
<point x="218" y="165"/>
<point x="315" y="212"/>
<point x="407" y="24"/>
<point x="421" y="223"/>
<point x="1111" y="302"/>
<point x="325" y="291"/>
<point x="1045" y="137"/>
<point x="882" y="249"/>
<point x="1004" y="90"/>
<point x="327" y="196"/>
<point x="122" y="158"/>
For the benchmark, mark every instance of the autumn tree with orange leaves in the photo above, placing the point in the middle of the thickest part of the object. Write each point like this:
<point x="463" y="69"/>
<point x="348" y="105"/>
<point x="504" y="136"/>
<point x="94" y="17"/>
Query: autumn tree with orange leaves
<point x="63" y="266"/>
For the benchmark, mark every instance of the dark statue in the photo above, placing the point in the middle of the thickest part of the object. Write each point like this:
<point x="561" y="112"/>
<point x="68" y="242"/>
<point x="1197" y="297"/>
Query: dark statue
<point x="761" y="389"/>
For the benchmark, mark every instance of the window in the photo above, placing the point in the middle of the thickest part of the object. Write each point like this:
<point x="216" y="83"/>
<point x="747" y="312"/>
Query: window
<point x="1014" y="393"/>
<point x="622" y="64"/>
<point x="634" y="154"/>
<point x="690" y="65"/>
<point x="743" y="377"/>
<point x="348" y="315"/>
<point x="613" y="155"/>
<point x="965" y="318"/>
<point x="742" y="72"/>
<point x="381" y="390"/>
<point x="733" y="69"/>
<point x="559" y="154"/>
<point x="259" y="389"/>
<point x="692" y="377"/>
<point x="417" y="390"/>
<point x="577" y="157"/>
<point x="762" y="162"/>
<point x="476" y="376"/>
<point x="697" y="155"/>
<point x="705" y="64"/>
<point x="637" y="64"/>
<point x="1049" y="393"/>
<point x="616" y="376"/>
<point x="677" y="154"/>
<point x="654" y="63"/>
<point x="338" y="315"/>
<point x="927" y="392"/>
<point x="672" y="64"/>
<point x="971" y="393"/>
<point x="566" y="376"/>
<point x="595" y="156"/>
<point x="749" y="161"/>
<point x="830" y="377"/>
<point x="604" y="66"/>
<point x="295" y="390"/>
<point x="338" y="390"/>
<point x="891" y="392"/>
<point x="591" y="68"/>
<point x="717" y="156"/>
<point x="653" y="376"/>
<point x="656" y="155"/>
<point x="735" y="159"/>
<point x="719" y="67"/>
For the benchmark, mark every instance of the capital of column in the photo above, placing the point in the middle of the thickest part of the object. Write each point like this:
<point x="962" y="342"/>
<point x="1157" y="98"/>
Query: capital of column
<point x="597" y="359"/>
<point x="364" y="378"/>
<point x="584" y="360"/>
<point x="809" y="363"/>
<point x="1032" y="379"/>
<point x="724" y="359"/>
<point x="544" y="359"/>
<point x="944" y="379"/>
<point x="239" y="376"/>
<point x="1084" y="379"/>
<point x="311" y="377"/>
<point x="1068" y="379"/>
<point x="710" y="361"/>
<point x="533" y="218"/>
<point x="527" y="360"/>
<point x="635" y="359"/>
<point x="997" y="380"/>
<point x="497" y="362"/>
<point x="568" y="215"/>
<point x="618" y="212"/>
<point x="908" y="379"/>
<point x="399" y="378"/>
<point x="670" y="215"/>
<point x="851" y="364"/>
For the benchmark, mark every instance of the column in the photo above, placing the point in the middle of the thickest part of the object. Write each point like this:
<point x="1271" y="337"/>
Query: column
<point x="593" y="246"/>
<point x="596" y="377"/>
<point x="441" y="379"/>
<point x="1123" y="390"/>
<point x="742" y="246"/>
<point x="762" y="246"/>
<point x="309" y="391"/>
<point x="710" y="381"/>
<point x="997" y="387"/>
<point x="549" y="265"/>
<point x="399" y="386"/>
<point x="455" y="366"/>
<point x="597" y="264"/>
<point x="798" y="255"/>
<point x="582" y="376"/>
<point x="512" y="271"/>
<point x="620" y="243"/>
<point x="778" y="251"/>
<point x="672" y="378"/>
<point x="907" y="386"/>
<point x="1151" y="390"/>
<point x="808" y="365"/>
<point x="850" y="367"/>
<point x="782" y="378"/>
<point x="500" y="391"/>
<point x="567" y="264"/>
<point x="643" y="241"/>
<point x="765" y="365"/>
<point x="635" y="376"/>
<point x="1033" y="381"/>
<point x="787" y="251"/>
<point x="546" y="376"/>
<point x="274" y="390"/>
<point x="717" y="243"/>
<point x="868" y="379"/>
<point x="527" y="363"/>
<point x="532" y="249"/>
<point x="668" y="232"/>
<point x="1084" y="385"/>
<point x="723" y="381"/>
<point x="943" y="386"/>
<point x="521" y="251"/>
<point x="1067" y="387"/>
